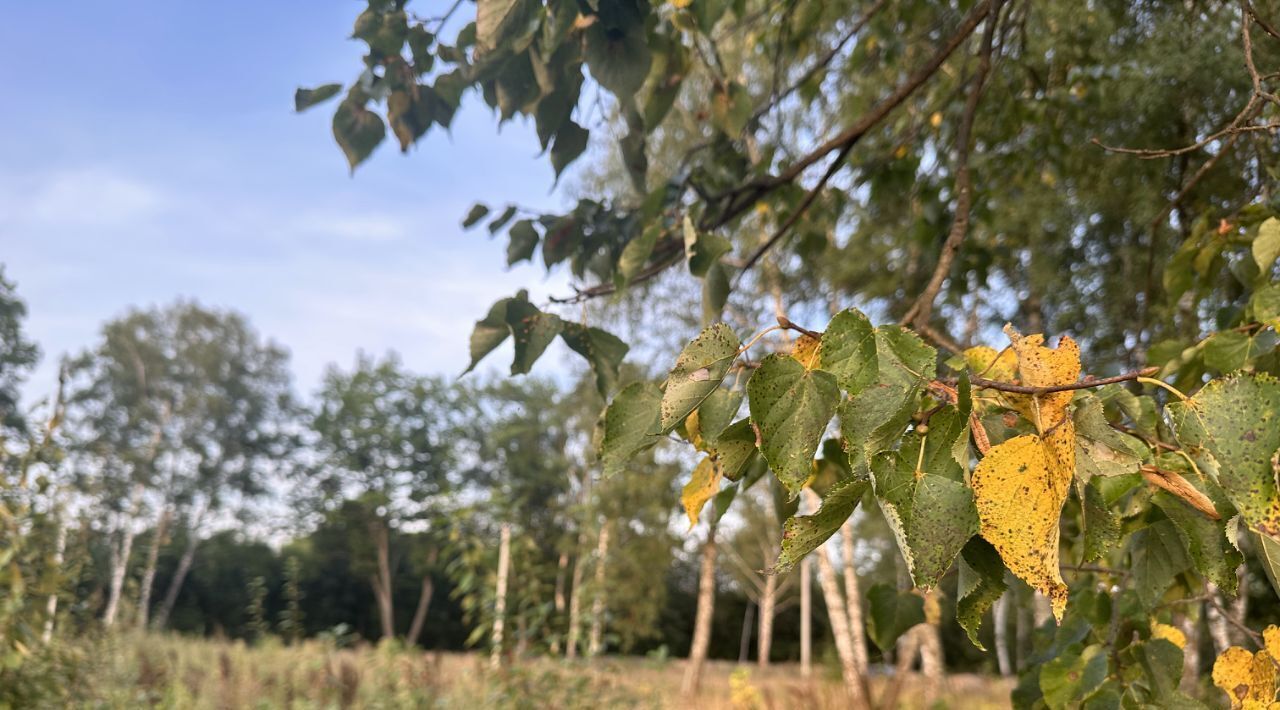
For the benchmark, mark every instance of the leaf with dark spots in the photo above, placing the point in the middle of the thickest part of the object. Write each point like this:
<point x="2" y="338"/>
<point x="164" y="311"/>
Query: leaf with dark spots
<point x="791" y="407"/>
<point x="697" y="373"/>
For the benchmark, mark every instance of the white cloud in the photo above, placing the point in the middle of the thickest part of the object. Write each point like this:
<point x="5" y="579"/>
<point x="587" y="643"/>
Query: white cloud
<point x="86" y="196"/>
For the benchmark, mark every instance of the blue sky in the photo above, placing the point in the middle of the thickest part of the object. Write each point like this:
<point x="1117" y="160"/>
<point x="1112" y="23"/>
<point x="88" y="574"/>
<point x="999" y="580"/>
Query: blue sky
<point x="148" y="151"/>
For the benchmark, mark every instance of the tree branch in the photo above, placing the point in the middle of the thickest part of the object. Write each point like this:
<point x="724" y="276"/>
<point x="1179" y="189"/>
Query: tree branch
<point x="923" y="306"/>
<point x="1086" y="383"/>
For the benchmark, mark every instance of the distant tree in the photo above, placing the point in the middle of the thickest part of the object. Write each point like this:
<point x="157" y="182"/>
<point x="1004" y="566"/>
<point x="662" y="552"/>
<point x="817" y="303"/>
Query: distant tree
<point x="291" y="620"/>
<point x="384" y="437"/>
<point x="17" y="356"/>
<point x="181" y="412"/>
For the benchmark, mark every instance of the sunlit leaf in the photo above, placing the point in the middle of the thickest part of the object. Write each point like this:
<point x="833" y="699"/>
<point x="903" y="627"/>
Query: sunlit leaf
<point x="803" y="534"/>
<point x="702" y="486"/>
<point x="697" y="373"/>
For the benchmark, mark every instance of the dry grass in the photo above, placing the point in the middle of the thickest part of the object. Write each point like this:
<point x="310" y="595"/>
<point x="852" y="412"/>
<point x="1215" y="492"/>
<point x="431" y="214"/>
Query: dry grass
<point x="158" y="671"/>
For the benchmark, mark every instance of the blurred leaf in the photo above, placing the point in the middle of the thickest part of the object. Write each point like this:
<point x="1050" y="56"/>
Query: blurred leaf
<point x="304" y="99"/>
<point x="630" y="425"/>
<point x="357" y="130"/>
<point x="891" y="613"/>
<point x="604" y="351"/>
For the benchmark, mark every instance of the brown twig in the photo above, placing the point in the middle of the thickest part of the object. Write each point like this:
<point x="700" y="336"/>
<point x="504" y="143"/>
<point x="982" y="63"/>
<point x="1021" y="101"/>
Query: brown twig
<point x="1086" y="383"/>
<point x="1096" y="569"/>
<point x="922" y="308"/>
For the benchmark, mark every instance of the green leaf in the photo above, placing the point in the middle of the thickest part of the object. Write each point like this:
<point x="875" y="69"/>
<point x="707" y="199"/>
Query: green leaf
<point x="735" y="448"/>
<point x="697" y="373"/>
<point x="603" y="350"/>
<point x="715" y="292"/>
<point x="1073" y="675"/>
<point x="875" y="418"/>
<point x="616" y="49"/>
<point x="929" y="509"/>
<point x="1205" y="540"/>
<point x="981" y="585"/>
<point x="474" y="215"/>
<point x="1230" y="350"/>
<point x="848" y="351"/>
<point x="1266" y="246"/>
<point x="1267" y="550"/>
<point x="501" y="220"/>
<point x="636" y="254"/>
<point x="1266" y="305"/>
<point x="791" y="407"/>
<point x="357" y="130"/>
<point x="1156" y="558"/>
<point x="304" y="99"/>
<point x="1158" y="663"/>
<point x="532" y="330"/>
<point x="1100" y="449"/>
<point x="523" y="238"/>
<point x="1236" y="421"/>
<point x="1101" y="526"/>
<point x="891" y="613"/>
<point x="630" y="425"/>
<point x="570" y="142"/>
<point x="803" y="534"/>
<point x="489" y="333"/>
<point x="702" y="250"/>
<point x="717" y="412"/>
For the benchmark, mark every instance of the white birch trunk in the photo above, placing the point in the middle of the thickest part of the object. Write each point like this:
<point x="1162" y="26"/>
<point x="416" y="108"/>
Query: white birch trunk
<point x="500" y="596"/>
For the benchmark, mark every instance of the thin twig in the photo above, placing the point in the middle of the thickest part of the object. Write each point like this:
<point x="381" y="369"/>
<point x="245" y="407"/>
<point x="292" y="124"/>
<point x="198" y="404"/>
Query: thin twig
<point x="1086" y="383"/>
<point x="923" y="306"/>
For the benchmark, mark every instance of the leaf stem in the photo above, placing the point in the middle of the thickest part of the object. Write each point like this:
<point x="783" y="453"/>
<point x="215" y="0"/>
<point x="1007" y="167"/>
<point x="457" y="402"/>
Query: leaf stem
<point x="1165" y="385"/>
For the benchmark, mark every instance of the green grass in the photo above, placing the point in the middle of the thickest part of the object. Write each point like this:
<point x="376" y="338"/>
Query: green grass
<point x="166" y="671"/>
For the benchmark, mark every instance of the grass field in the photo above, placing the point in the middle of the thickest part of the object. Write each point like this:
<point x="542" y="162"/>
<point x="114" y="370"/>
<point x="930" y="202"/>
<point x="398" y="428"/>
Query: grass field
<point x="159" y="671"/>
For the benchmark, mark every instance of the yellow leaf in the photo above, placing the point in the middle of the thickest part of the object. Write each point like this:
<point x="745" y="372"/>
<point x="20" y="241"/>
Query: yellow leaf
<point x="681" y="4"/>
<point x="1019" y="488"/>
<point x="988" y="364"/>
<point x="936" y="119"/>
<point x="1271" y="639"/>
<point x="1172" y="634"/>
<point x="805" y="351"/>
<point x="1039" y="366"/>
<point x="1249" y="679"/>
<point x="702" y="486"/>
<point x="693" y="427"/>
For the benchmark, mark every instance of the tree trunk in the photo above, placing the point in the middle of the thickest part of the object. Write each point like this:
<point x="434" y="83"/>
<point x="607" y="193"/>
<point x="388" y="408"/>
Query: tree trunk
<point x="51" y="604"/>
<point x="744" y="639"/>
<point x="1190" y="627"/>
<point x="706" y="607"/>
<point x="420" y="614"/>
<point x="1000" y="619"/>
<point x="838" y="615"/>
<point x="1022" y="627"/>
<point x="768" y="599"/>
<point x="806" y="616"/>
<point x="932" y="664"/>
<point x="1218" y="629"/>
<point x="1240" y="605"/>
<point x="561" y="568"/>
<point x="500" y="596"/>
<point x="380" y="580"/>
<point x="1041" y="609"/>
<point x="853" y="599"/>
<point x="179" y="576"/>
<point x="149" y="571"/>
<point x="599" y="596"/>
<point x="908" y="647"/>
<point x="120" y="555"/>
<point x="575" y="609"/>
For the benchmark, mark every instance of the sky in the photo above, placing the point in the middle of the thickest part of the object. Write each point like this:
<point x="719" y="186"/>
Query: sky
<point x="149" y="152"/>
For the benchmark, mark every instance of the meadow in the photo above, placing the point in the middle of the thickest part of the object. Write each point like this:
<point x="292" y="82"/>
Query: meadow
<point x="171" y="671"/>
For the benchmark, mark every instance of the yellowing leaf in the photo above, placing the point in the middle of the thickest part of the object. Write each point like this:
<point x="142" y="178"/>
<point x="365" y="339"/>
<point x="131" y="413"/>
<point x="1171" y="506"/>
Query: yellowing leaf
<point x="988" y="364"/>
<point x="1249" y="679"/>
<point x="1271" y="639"/>
<point x="805" y="351"/>
<point x="1172" y="634"/>
<point x="1019" y="489"/>
<point x="1039" y="366"/>
<point x="704" y="484"/>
